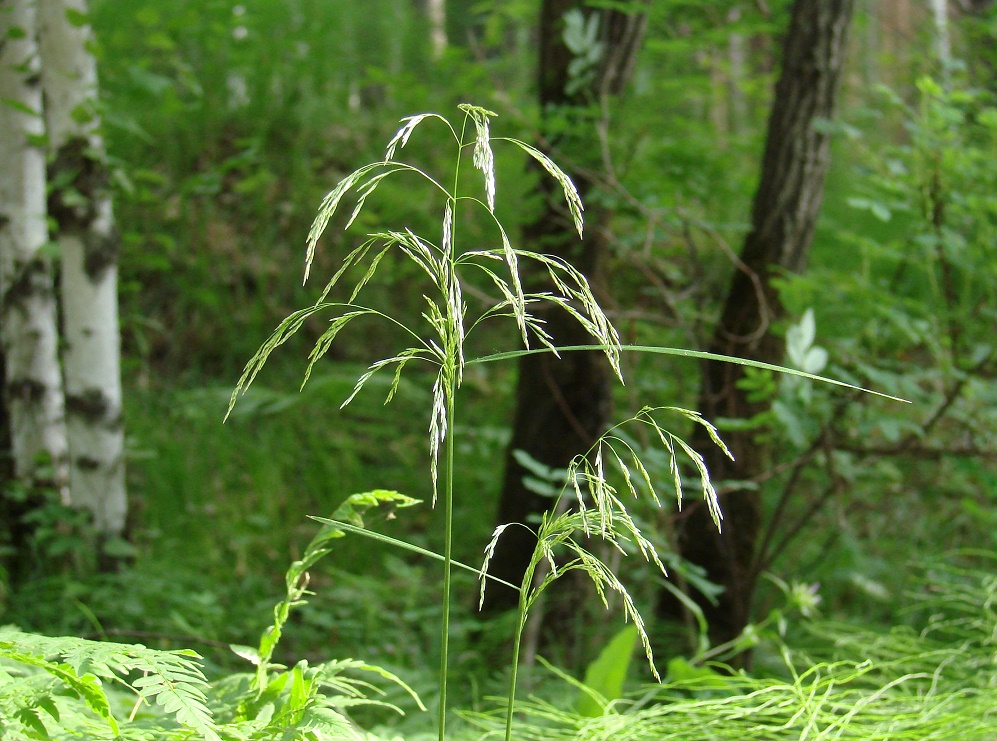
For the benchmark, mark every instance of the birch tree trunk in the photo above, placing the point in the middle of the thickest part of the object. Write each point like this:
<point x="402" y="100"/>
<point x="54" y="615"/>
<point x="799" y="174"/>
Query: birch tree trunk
<point x="88" y="242"/>
<point x="737" y="54"/>
<point x="28" y="333"/>
<point x="943" y="44"/>
<point x="437" y="11"/>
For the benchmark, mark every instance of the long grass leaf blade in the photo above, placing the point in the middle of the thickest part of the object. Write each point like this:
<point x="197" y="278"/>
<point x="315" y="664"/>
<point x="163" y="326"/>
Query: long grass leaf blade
<point x="407" y="546"/>
<point x="511" y="354"/>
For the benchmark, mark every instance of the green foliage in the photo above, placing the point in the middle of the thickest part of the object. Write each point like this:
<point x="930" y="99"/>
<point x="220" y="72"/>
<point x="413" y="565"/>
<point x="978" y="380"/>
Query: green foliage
<point x="301" y="702"/>
<point x="173" y="679"/>
<point x="227" y="121"/>
<point x="903" y="295"/>
<point x="930" y="681"/>
<point x="605" y="676"/>
<point x="927" y="682"/>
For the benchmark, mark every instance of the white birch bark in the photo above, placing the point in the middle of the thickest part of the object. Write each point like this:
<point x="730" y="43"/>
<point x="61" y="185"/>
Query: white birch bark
<point x="437" y="11"/>
<point x="943" y="46"/>
<point x="88" y="244"/>
<point x="28" y="331"/>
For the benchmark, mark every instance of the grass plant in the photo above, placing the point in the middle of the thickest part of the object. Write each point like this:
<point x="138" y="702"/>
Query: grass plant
<point x="440" y="340"/>
<point x="600" y="512"/>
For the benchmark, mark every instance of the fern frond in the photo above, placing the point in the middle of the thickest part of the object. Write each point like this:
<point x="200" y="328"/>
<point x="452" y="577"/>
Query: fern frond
<point x="85" y="686"/>
<point x="172" y="678"/>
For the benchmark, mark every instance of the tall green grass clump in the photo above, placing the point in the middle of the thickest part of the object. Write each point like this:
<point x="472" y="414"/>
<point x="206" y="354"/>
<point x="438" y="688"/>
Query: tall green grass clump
<point x="439" y="338"/>
<point x="932" y="680"/>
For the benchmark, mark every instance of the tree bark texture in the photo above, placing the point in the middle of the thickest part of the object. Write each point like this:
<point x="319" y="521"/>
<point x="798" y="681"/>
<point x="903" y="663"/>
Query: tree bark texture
<point x="28" y="329"/>
<point x="563" y="405"/>
<point x="785" y="211"/>
<point x="80" y="204"/>
<point x="943" y="44"/>
<point x="437" y="12"/>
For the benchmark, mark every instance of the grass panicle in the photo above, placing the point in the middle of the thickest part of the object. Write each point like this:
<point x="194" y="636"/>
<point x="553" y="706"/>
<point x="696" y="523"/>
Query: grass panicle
<point x="599" y="514"/>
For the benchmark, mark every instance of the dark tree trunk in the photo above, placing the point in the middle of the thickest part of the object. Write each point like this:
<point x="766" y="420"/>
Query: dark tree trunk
<point x="562" y="405"/>
<point x="6" y="457"/>
<point x="785" y="212"/>
<point x="14" y="532"/>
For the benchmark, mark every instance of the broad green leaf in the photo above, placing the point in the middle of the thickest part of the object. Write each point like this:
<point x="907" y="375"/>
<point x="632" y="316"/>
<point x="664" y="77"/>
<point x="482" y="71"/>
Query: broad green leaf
<point x="608" y="672"/>
<point x="702" y="678"/>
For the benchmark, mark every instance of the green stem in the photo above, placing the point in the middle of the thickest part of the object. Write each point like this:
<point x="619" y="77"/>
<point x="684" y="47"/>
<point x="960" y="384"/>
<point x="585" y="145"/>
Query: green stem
<point x="517" y="641"/>
<point x="514" y="676"/>
<point x="451" y="374"/>
<point x="448" y="466"/>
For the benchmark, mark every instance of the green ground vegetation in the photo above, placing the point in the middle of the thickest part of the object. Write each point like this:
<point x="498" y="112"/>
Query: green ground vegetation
<point x="229" y="122"/>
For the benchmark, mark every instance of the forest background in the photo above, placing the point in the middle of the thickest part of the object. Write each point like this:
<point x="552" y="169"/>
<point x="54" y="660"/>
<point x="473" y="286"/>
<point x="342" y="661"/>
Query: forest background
<point x="226" y="124"/>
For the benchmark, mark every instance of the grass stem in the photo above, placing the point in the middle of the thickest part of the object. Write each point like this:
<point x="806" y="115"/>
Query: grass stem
<point x="448" y="472"/>
<point x="524" y="596"/>
<point x="514" y="673"/>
